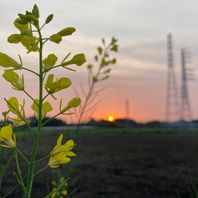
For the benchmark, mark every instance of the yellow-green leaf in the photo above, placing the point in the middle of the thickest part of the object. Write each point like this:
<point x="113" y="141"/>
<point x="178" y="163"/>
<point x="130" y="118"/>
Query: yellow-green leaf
<point x="49" y="18"/>
<point x="46" y="108"/>
<point x="49" y="62"/>
<point x="35" y="105"/>
<point x="14" y="79"/>
<point x="57" y="85"/>
<point x="7" y="61"/>
<point x="35" y="11"/>
<point x="67" y="31"/>
<point x="13" y="105"/>
<point x="15" y="38"/>
<point x="100" y="50"/>
<point x="30" y="43"/>
<point x="21" y="26"/>
<point x="74" y="102"/>
<point x="78" y="59"/>
<point x="56" y="38"/>
<point x="71" y="104"/>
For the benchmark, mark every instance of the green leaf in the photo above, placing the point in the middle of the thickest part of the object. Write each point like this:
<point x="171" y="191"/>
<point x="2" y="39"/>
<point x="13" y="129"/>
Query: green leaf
<point x="7" y="61"/>
<point x="49" y="18"/>
<point x="17" y="109"/>
<point x="13" y="105"/>
<point x="15" y="38"/>
<point x="28" y="13"/>
<point x="21" y="26"/>
<point x="114" y="48"/>
<point x="57" y="85"/>
<point x="100" y="50"/>
<point x="24" y="18"/>
<point x="56" y="38"/>
<point x="49" y="62"/>
<point x="89" y="66"/>
<point x="46" y="108"/>
<point x="30" y="43"/>
<point x="96" y="58"/>
<point x="35" y="105"/>
<point x="35" y="11"/>
<point x="113" y="61"/>
<point x="78" y="60"/>
<point x="27" y="32"/>
<point x="14" y="79"/>
<point x="75" y="102"/>
<point x="21" y="21"/>
<point x="67" y="31"/>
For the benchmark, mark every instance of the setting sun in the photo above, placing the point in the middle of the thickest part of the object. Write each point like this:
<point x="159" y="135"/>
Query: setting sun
<point x="111" y="118"/>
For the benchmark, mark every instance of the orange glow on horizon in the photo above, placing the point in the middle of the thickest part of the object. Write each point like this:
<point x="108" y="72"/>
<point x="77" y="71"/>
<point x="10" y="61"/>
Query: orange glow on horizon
<point x="111" y="118"/>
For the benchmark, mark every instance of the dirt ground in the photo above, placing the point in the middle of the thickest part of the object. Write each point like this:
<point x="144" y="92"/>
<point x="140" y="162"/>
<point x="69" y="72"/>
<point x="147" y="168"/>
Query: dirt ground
<point x="125" y="165"/>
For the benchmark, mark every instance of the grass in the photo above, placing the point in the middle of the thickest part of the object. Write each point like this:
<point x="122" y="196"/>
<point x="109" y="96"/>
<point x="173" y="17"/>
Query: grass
<point x="112" y="162"/>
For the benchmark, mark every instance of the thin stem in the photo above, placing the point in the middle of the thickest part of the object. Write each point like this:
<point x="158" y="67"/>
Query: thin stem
<point x="22" y="155"/>
<point x="30" y="71"/>
<point x="29" y="96"/>
<point x="84" y="107"/>
<point x="52" y="118"/>
<point x="42" y="26"/>
<point x="19" y="170"/>
<point x="91" y="89"/>
<point x="45" y="96"/>
<point x="40" y="170"/>
<point x="30" y="177"/>
<point x="5" y="166"/>
<point x="43" y="158"/>
<point x="12" y="189"/>
<point x="32" y="130"/>
<point x="45" y="40"/>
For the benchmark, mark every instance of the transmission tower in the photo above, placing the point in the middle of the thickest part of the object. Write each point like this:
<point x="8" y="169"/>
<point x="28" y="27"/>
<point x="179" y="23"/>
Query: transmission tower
<point x="185" y="108"/>
<point x="172" y="105"/>
<point x="127" y="108"/>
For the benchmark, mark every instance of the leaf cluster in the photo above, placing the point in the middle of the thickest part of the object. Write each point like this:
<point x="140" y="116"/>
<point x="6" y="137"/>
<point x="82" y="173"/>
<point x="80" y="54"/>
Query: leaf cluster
<point x="30" y="36"/>
<point x="104" y="60"/>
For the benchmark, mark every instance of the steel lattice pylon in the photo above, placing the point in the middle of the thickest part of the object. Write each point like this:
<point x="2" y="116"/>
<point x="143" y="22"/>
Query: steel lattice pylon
<point x="172" y="104"/>
<point x="185" y="108"/>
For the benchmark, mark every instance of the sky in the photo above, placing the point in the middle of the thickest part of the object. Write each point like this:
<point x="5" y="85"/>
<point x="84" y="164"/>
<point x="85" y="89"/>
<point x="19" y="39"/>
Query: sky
<point x="141" y="27"/>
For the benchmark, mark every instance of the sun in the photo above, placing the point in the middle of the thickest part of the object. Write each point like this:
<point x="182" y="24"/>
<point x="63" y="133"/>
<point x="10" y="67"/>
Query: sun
<point x="111" y="118"/>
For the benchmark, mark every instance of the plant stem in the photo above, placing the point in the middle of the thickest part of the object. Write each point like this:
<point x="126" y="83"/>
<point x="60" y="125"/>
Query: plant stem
<point x="90" y="90"/>
<point x="84" y="107"/>
<point x="39" y="171"/>
<point x="31" y="168"/>
<point x="19" y="171"/>
<point x="29" y="95"/>
<point x="22" y="155"/>
<point x="30" y="70"/>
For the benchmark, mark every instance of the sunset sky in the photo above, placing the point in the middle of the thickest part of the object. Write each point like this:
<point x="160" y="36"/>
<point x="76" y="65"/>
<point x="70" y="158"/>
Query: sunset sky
<point x="140" y="26"/>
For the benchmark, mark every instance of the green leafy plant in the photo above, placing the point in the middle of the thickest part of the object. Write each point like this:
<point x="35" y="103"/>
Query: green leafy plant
<point x="31" y="37"/>
<point x="98" y="72"/>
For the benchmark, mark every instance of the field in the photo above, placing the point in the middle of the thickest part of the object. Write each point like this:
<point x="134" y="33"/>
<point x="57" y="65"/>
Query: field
<point x="122" y="163"/>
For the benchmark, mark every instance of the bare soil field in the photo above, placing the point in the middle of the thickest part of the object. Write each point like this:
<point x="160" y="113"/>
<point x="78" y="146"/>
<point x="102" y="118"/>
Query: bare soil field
<point x="122" y="165"/>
